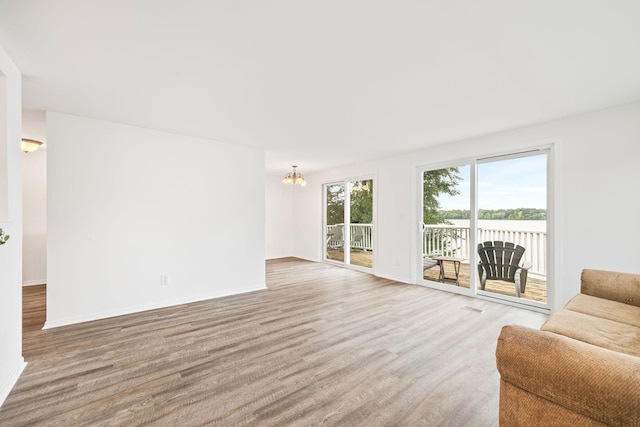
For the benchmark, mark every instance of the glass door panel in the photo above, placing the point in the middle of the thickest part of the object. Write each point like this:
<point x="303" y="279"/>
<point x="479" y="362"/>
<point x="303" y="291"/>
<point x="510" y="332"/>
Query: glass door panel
<point x="446" y="225"/>
<point x="349" y="230"/>
<point x="512" y="217"/>
<point x="361" y="223"/>
<point x="334" y="222"/>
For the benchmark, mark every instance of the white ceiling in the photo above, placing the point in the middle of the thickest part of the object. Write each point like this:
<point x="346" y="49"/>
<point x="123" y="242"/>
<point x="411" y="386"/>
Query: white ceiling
<point x="327" y="82"/>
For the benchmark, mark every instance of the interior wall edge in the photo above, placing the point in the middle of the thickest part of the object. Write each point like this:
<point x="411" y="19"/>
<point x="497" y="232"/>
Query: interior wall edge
<point x="11" y="380"/>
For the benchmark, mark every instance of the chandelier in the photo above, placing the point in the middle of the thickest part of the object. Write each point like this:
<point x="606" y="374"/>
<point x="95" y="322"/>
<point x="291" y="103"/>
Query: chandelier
<point x="294" y="178"/>
<point x="360" y="186"/>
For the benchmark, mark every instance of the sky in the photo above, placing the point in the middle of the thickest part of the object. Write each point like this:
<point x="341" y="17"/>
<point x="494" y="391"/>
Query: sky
<point x="504" y="184"/>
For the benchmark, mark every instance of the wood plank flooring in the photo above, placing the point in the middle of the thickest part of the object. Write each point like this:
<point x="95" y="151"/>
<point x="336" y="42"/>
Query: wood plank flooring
<point x="322" y="346"/>
<point x="34" y="308"/>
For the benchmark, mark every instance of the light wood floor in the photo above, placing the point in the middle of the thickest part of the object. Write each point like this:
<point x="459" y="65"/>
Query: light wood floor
<point x="322" y="346"/>
<point x="34" y="309"/>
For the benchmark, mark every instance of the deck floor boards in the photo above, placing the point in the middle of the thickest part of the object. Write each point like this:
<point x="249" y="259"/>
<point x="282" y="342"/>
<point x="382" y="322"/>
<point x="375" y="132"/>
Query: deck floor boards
<point x="536" y="289"/>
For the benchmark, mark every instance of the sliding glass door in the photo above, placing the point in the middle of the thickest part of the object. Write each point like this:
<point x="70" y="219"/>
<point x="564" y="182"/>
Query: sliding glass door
<point x="334" y="221"/>
<point x="512" y="209"/>
<point x="485" y="222"/>
<point x="361" y="223"/>
<point x="348" y="224"/>
<point x="445" y="225"/>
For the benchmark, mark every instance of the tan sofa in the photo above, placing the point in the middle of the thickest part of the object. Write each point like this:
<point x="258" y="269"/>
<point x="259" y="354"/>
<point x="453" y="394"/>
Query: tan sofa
<point x="582" y="368"/>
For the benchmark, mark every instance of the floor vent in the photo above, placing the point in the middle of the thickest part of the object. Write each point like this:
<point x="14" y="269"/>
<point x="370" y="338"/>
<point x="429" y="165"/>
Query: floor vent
<point x="466" y="307"/>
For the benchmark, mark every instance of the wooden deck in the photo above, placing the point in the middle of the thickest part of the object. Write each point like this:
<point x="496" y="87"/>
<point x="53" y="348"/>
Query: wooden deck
<point x="536" y="289"/>
<point x="358" y="257"/>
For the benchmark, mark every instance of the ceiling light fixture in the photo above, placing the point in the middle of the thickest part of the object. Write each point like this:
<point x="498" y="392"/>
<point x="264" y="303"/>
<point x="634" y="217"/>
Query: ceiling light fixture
<point x="30" y="145"/>
<point x="294" y="178"/>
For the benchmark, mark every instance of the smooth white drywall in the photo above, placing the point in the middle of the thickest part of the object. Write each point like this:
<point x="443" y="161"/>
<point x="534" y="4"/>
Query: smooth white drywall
<point x="279" y="213"/>
<point x="4" y="177"/>
<point x="128" y="205"/>
<point x="34" y="218"/>
<point x="11" y="360"/>
<point x="594" y="178"/>
<point x="34" y="202"/>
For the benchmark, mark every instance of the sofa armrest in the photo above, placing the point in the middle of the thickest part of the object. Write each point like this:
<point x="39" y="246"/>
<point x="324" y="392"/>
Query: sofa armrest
<point x="597" y="383"/>
<point x="611" y="285"/>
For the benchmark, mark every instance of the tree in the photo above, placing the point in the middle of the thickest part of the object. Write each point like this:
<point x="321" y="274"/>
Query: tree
<point x="335" y="204"/>
<point x="500" y="214"/>
<point x="361" y="206"/>
<point x="362" y="202"/>
<point x="436" y="182"/>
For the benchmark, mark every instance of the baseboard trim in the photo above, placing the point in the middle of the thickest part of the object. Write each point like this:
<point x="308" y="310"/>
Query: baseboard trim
<point x="137" y="309"/>
<point x="394" y="278"/>
<point x="34" y="282"/>
<point x="11" y="380"/>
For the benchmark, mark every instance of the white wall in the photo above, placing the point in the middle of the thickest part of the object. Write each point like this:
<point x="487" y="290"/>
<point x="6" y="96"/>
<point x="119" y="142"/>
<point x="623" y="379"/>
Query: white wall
<point x="595" y="174"/>
<point x="279" y="212"/>
<point x="34" y="218"/>
<point x="34" y="202"/>
<point x="4" y="177"/>
<point x="11" y="361"/>
<point x="127" y="205"/>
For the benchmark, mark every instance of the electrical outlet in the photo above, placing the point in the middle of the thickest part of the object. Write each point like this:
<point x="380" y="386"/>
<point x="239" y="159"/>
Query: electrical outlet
<point x="164" y="280"/>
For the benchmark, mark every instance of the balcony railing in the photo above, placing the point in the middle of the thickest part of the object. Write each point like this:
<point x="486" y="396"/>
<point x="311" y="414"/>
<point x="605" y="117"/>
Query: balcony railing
<point x="452" y="240"/>
<point x="361" y="236"/>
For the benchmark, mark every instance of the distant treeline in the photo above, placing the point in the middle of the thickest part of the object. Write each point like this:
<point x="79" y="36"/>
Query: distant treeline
<point x="514" y="214"/>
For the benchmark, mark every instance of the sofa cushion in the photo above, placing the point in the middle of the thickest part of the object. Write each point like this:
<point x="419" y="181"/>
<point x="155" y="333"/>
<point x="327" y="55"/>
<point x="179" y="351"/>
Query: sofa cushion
<point x="603" y="333"/>
<point x="547" y="369"/>
<point x="605" y="309"/>
<point x="612" y="285"/>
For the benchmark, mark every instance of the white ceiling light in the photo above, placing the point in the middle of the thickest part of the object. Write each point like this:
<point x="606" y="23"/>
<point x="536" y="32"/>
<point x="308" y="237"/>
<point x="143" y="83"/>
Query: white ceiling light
<point x="30" y="145"/>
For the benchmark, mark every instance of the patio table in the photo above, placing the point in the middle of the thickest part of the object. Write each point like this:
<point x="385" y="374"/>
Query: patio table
<point x="456" y="267"/>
